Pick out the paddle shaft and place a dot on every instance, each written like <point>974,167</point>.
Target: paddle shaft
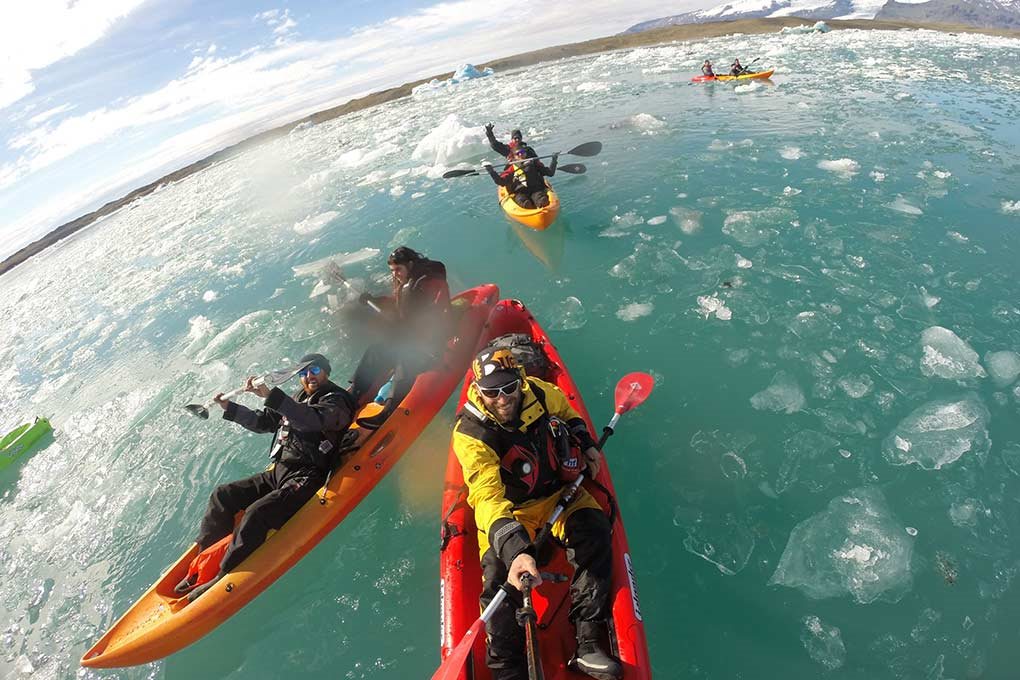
<point>338,274</point>
<point>526,615</point>
<point>227,396</point>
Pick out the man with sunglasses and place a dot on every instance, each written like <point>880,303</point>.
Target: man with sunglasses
<point>308,427</point>
<point>520,443</point>
<point>524,179</point>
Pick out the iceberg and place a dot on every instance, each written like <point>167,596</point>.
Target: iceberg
<point>450,143</point>
<point>855,546</point>
<point>823,643</point>
<point>782,395</point>
<point>818,27</point>
<point>463,73</point>
<point>1004,367</point>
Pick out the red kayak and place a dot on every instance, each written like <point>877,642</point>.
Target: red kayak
<point>461,574</point>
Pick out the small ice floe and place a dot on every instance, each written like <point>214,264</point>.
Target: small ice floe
<point>722,540</point>
<point>901,205</point>
<point>877,176</point>
<point>946,356</point>
<point>688,220</point>
<point>855,546</point>
<point>658,219</point>
<point>709,305</point>
<point>1003,367</point>
<point>314,223</point>
<point>823,643</point>
<point>939,433</point>
<point>1011,207</point>
<point>748,87</point>
<point>569,315</point>
<point>594,86</point>
<point>646,122</point>
<point>634,310</point>
<point>743,262</point>
<point>782,395</point>
<point>340,259</point>
<point>846,167</point>
<point>790,153</point>
<point>957,236</point>
<point>790,191</point>
<point>209,296</point>
<point>900,96</point>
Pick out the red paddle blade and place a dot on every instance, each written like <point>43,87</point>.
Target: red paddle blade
<point>454,665</point>
<point>632,390</point>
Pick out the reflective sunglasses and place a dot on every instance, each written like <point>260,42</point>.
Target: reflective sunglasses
<point>507,390</point>
<point>314,370</point>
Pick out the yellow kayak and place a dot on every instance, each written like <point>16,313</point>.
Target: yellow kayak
<point>744,76</point>
<point>535,218</point>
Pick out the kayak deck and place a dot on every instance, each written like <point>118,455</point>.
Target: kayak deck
<point>161,622</point>
<point>534,218</point>
<point>460,570</point>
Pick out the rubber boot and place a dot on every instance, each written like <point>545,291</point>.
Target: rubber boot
<point>187,583</point>
<point>591,659</point>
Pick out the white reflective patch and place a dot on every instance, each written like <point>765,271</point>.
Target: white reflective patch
<point>488,368</point>
<point>633,586</point>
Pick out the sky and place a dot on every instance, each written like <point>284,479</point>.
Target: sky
<point>98,97</point>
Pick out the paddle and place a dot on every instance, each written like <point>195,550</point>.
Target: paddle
<point>631,391</point>
<point>526,615</point>
<point>587,150</point>
<point>271,379</point>
<point>336,274</point>
<point>569,168</point>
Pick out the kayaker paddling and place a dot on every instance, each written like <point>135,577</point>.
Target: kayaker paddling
<point>417,312</point>
<point>525,181</point>
<point>736,69</point>
<point>706,69</point>
<point>507,150</point>
<point>308,427</point>
<point>519,443</point>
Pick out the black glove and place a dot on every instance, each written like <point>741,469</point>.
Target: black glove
<point>488,128</point>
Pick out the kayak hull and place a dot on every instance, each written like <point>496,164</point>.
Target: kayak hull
<point>725,78</point>
<point>21,439</point>
<point>537,218</point>
<point>460,571</point>
<point>161,623</point>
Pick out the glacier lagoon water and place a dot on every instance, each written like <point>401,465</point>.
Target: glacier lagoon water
<point>816,269</point>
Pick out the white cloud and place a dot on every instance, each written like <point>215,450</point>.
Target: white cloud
<point>40,118</point>
<point>35,34</point>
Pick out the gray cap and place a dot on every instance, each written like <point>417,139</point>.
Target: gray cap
<point>317,359</point>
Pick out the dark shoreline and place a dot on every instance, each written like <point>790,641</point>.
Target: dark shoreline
<point>615,42</point>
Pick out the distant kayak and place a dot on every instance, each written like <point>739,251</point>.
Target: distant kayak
<point>21,439</point>
<point>745,76</point>
<point>534,218</point>
<point>162,622</point>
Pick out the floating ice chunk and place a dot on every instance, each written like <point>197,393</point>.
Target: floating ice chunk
<point>942,174</point>
<point>818,27</point>
<point>752,228</point>
<point>854,546</point>
<point>957,236</point>
<point>791,153</point>
<point>688,220</point>
<point>939,433</point>
<point>877,176</point>
<point>712,304</point>
<point>748,87</point>
<point>635,310</point>
<point>790,191</point>
<point>645,122</point>
<point>1003,367</point>
<point>209,295</point>
<point>900,96</point>
<point>594,86</point>
<point>233,335</point>
<point>965,513</point>
<point>947,356</point>
<point>929,300</point>
<point>823,643</point>
<point>782,395</point>
<point>841,166</point>
<point>569,315</point>
<point>743,262</point>
<point>657,220</point>
<point>450,143</point>
<point>314,223</point>
<point>199,330</point>
<point>1011,207</point>
<point>464,72</point>
<point>901,205</point>
<point>339,260</point>
<point>723,541</point>
<point>857,386</point>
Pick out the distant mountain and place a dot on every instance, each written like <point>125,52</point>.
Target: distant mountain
<point>981,13</point>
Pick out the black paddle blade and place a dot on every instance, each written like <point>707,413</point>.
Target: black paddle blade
<point>198,410</point>
<point>572,168</point>
<point>586,149</point>
<point>449,174</point>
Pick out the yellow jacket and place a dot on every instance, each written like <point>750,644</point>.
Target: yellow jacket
<point>496,484</point>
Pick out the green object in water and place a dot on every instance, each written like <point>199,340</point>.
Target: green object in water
<point>21,439</point>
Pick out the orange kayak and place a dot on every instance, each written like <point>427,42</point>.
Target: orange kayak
<point>535,218</point>
<point>161,623</point>
<point>461,574</point>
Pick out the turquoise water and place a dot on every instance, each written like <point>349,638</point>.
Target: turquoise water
<point>825,483</point>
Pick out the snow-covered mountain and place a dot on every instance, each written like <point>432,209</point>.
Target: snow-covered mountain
<point>985,13</point>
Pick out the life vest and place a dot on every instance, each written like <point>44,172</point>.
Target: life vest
<point>310,449</point>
